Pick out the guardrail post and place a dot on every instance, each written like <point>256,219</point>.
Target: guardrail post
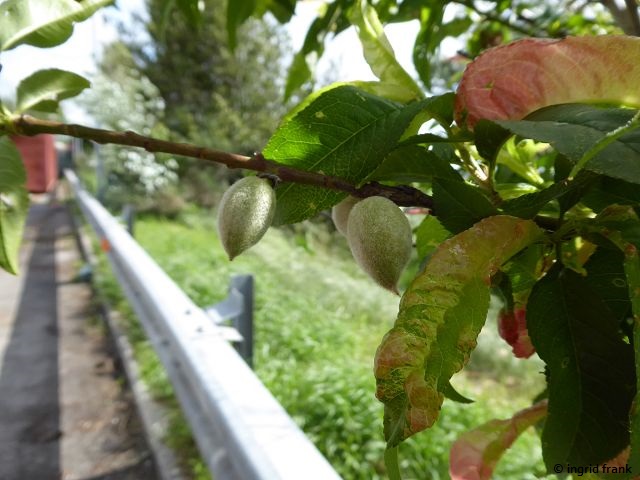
<point>101,174</point>
<point>129,217</point>
<point>243,322</point>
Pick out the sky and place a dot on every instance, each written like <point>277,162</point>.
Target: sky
<point>81,51</point>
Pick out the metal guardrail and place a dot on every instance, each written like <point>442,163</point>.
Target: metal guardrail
<point>241,430</point>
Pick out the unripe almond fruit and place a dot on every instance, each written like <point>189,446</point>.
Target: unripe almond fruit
<point>245,214</point>
<point>340,213</point>
<point>380,239</point>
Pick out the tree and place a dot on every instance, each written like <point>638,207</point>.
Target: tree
<point>230,100</point>
<point>530,172</point>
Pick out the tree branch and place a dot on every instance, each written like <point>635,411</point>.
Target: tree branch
<point>402,195</point>
<point>621,17</point>
<point>497,18</point>
<point>632,7</point>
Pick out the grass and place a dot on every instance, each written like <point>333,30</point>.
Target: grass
<point>318,321</point>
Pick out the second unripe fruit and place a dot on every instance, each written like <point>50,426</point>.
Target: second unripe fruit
<point>379,236</point>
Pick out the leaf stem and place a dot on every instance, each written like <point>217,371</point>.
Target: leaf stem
<point>481,177</point>
<point>605,141</point>
<point>402,195</point>
<point>391,462</point>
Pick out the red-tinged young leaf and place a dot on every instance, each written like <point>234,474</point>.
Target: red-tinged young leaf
<point>512,327</point>
<point>440,317</point>
<point>511,81</point>
<point>475,454</point>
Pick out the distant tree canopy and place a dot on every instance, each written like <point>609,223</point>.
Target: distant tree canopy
<point>212,96</point>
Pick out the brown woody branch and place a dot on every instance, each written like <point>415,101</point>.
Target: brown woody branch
<point>402,195</point>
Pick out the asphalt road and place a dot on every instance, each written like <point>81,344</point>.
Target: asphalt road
<point>64,413</point>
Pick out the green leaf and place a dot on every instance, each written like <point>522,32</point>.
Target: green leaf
<point>413,163</point>
<point>573,129</point>
<point>605,275</point>
<point>394,92</point>
<point>299,73</point>
<point>591,379</point>
<point>489,138</point>
<point>343,132</point>
<point>438,107</point>
<point>43,90</point>
<point>452,394</point>
<point>441,314</point>
<point>528,206</point>
<point>520,157</point>
<point>621,226</point>
<point>632,272</point>
<point>476,453</point>
<point>459,205</point>
<point>378,51</point>
<point>427,40</point>
<point>283,10</point>
<point>524,269</point>
<point>432,32</point>
<point>237,12</point>
<point>608,191</point>
<point>430,138</point>
<point>14,204</point>
<point>42,23</point>
<point>429,234</point>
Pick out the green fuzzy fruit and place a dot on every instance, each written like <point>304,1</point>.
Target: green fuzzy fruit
<point>340,213</point>
<point>380,238</point>
<point>245,214</point>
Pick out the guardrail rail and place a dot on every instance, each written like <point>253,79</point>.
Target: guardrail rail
<point>241,430</point>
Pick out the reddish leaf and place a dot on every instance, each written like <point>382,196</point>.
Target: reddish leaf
<point>475,454</point>
<point>512,327</point>
<point>511,81</point>
<point>441,315</point>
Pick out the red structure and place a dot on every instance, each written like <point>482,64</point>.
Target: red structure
<point>40,160</point>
